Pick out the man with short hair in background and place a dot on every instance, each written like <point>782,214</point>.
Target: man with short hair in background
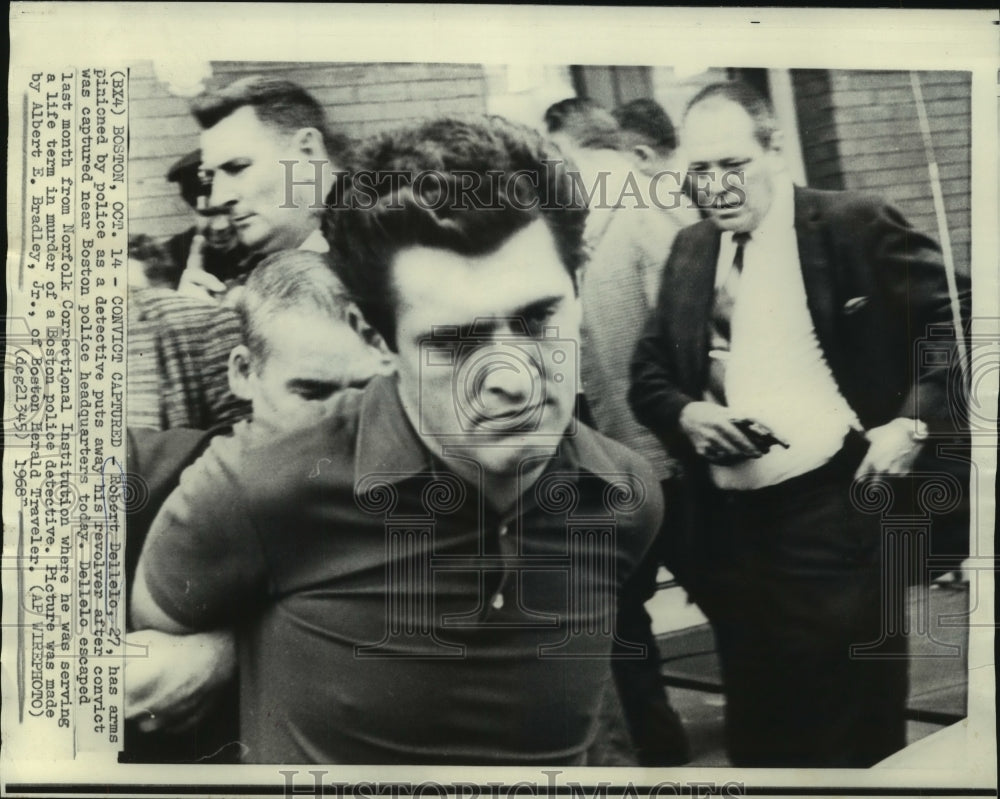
<point>271,159</point>
<point>648,131</point>
<point>648,135</point>
<point>266,151</point>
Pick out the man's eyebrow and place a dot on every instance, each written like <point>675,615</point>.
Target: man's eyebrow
<point>519,319</point>
<point>230,162</point>
<point>483,326</point>
<point>535,306</point>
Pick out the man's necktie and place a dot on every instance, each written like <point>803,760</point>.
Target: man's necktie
<point>720,321</point>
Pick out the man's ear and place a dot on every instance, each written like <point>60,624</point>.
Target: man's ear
<point>777,142</point>
<point>367,333</point>
<point>643,153</point>
<point>240,368</point>
<point>309,142</point>
<point>386,358</point>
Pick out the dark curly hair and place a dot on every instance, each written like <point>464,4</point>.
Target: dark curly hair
<point>462,184</point>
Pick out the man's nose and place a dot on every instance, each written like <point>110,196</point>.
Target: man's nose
<point>712,182</point>
<point>509,376</point>
<point>705,187</point>
<point>223,193</point>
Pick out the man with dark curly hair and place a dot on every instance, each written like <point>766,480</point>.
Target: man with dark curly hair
<point>429,573</point>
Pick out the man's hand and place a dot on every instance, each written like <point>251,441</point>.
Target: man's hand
<point>174,685</point>
<point>195,281</point>
<point>710,429</point>
<point>894,448</point>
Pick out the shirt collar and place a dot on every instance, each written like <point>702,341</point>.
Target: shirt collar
<point>387,444</point>
<point>779,220</point>
<point>315,242</point>
<point>583,451</point>
<point>781,215</point>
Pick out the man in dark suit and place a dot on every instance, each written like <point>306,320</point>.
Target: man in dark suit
<point>796,314</point>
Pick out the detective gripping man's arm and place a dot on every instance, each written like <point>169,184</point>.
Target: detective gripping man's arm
<point>172,681</point>
<point>172,684</point>
<point>185,598</point>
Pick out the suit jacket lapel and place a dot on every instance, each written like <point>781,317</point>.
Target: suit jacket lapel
<point>693,304</point>
<point>818,269</point>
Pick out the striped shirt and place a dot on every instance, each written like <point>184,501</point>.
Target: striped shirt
<point>178,354</point>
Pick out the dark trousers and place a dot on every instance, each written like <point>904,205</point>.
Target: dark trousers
<point>799,585</point>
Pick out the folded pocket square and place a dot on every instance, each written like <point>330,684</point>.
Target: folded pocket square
<point>855,304</point>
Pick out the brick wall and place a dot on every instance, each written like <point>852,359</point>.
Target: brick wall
<point>860,130</point>
<point>359,98</point>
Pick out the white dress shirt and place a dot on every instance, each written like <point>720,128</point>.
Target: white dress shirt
<point>776,372</point>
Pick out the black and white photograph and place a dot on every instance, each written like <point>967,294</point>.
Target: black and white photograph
<point>601,399</point>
